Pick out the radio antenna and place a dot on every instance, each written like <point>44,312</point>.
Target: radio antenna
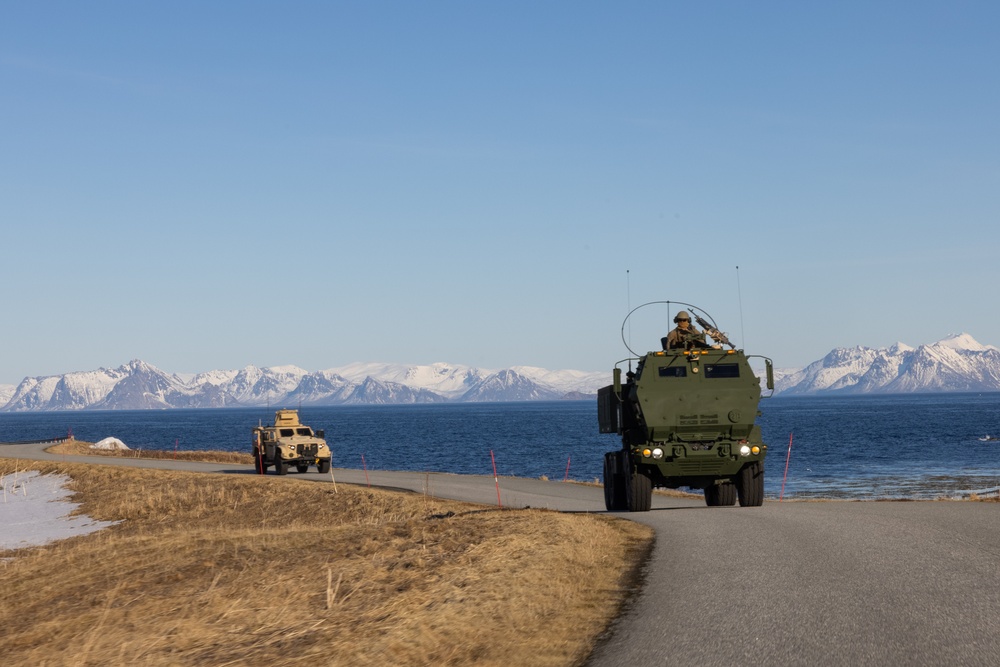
<point>628,299</point>
<point>739,291</point>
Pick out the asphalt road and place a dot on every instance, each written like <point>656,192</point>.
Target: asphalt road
<point>793,583</point>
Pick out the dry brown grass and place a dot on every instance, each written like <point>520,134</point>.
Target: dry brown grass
<point>82,448</point>
<point>218,569</point>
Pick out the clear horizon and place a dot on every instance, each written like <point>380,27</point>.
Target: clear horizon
<point>215,186</point>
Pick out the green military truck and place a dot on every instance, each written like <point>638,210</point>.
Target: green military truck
<point>686,419</point>
<point>288,442</point>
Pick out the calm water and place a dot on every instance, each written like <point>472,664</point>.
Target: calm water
<point>860,447</point>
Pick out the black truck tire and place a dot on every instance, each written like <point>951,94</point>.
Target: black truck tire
<point>614,485</point>
<point>750,485</point>
<point>638,491</point>
<point>721,495</point>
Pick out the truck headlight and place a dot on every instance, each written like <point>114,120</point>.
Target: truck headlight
<point>657,453</point>
<point>745,450</point>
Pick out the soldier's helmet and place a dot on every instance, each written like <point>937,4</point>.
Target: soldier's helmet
<point>682,315</point>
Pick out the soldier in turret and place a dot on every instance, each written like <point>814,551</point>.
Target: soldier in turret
<point>684,335</point>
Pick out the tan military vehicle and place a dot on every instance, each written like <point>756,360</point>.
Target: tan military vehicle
<point>289,442</point>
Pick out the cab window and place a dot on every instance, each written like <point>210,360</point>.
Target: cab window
<point>287,432</point>
<point>722,370</point>
<point>673,371</point>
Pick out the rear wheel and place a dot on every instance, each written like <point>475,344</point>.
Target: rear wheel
<point>258,463</point>
<point>280,467</point>
<point>750,485</point>
<point>638,491</point>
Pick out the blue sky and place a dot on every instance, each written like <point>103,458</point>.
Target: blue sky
<point>211,185</point>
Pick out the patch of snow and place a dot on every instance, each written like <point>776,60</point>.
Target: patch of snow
<point>566,380</point>
<point>109,443</point>
<point>6,393</point>
<point>216,378</point>
<point>962,341</point>
<point>34,510</point>
<point>293,371</point>
<point>449,380</point>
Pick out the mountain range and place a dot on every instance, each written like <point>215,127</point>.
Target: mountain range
<point>138,385</point>
<point>956,363</point>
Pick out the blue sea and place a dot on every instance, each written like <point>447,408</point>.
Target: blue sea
<point>904,446</point>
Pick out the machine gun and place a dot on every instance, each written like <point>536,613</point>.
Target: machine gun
<point>716,335</point>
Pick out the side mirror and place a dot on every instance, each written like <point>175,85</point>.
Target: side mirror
<point>321,433</point>
<point>618,381</point>
<point>770,374</point>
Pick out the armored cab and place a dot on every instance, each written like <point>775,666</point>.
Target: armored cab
<point>686,419</point>
<point>289,442</point>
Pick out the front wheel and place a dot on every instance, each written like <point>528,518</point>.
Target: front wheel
<point>614,484</point>
<point>638,491</point>
<point>750,485</point>
<point>721,495</point>
<point>323,466</point>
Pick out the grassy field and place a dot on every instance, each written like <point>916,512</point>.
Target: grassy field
<point>82,448</point>
<point>226,570</point>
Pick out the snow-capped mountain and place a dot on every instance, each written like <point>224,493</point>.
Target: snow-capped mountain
<point>321,388</point>
<point>134,385</point>
<point>141,387</point>
<point>509,385</point>
<point>138,385</point>
<point>448,380</point>
<point>262,386</point>
<point>956,363</point>
<point>383,392</point>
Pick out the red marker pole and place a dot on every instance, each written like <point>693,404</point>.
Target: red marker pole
<point>566,476</point>
<point>366,470</point>
<point>788,456</point>
<point>496,480</point>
